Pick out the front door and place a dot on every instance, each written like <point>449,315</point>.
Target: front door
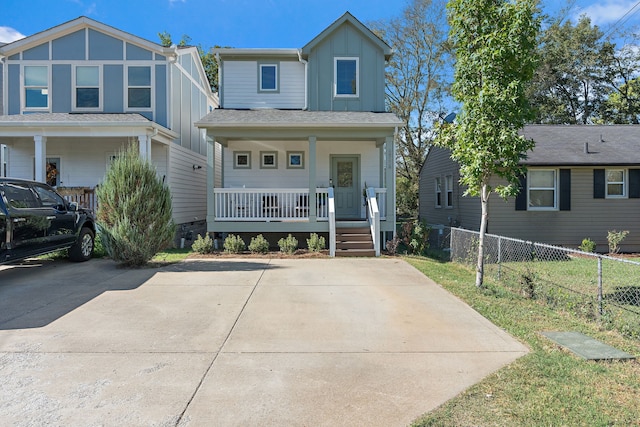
<point>345,175</point>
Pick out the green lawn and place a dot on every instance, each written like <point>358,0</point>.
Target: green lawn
<point>549,386</point>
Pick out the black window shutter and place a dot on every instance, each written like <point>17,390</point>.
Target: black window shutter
<point>598,183</point>
<point>634,183</point>
<point>565,189</point>
<point>521,198</point>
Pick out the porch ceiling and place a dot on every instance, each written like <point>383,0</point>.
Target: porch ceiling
<point>83,125</point>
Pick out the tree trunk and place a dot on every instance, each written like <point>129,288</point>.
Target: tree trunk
<point>484,198</point>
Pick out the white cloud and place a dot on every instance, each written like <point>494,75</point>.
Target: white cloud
<point>609,11</point>
<point>172,2</point>
<point>8,35</point>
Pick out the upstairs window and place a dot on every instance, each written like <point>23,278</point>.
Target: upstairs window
<point>139,87</point>
<point>346,78</point>
<point>616,187</point>
<point>542,189</point>
<point>87,92</point>
<point>268,77</point>
<point>438,193</point>
<point>448,183</point>
<point>36,87</point>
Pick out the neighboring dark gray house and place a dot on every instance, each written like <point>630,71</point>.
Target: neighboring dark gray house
<point>582,181</point>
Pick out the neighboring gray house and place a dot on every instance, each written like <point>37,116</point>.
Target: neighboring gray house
<point>299,134</point>
<point>72,96</point>
<point>582,181</point>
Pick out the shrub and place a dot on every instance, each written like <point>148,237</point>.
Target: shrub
<point>259,244</point>
<point>587,245</point>
<point>614,238</point>
<point>288,245</point>
<point>134,210</point>
<point>203,245</point>
<point>234,244</point>
<point>392,246</point>
<point>415,236</point>
<point>316,243</point>
<point>98,247</point>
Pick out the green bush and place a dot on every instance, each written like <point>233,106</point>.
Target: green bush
<point>316,243</point>
<point>415,236</point>
<point>288,245</point>
<point>615,238</point>
<point>98,247</point>
<point>234,244</point>
<point>203,245</point>
<point>134,210</point>
<point>587,245</point>
<point>259,245</point>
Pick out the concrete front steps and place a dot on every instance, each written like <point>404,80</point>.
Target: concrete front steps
<point>353,239</point>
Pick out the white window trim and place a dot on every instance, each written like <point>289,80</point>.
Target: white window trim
<point>260,67</point>
<point>555,190</point>
<point>74,86</point>
<point>23,87</point>
<point>448,190</point>
<point>438,184</point>
<point>335,76</point>
<point>625,180</point>
<point>127,87</point>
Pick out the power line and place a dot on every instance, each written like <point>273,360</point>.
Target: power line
<point>627,15</point>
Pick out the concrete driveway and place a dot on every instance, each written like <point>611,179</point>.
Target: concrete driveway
<point>236,342</point>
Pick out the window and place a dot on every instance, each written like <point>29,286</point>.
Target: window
<point>448,185</point>
<point>242,160</point>
<point>295,160</point>
<point>20,196</point>
<point>438,193</point>
<point>53,171</point>
<point>49,198</point>
<point>268,77</point>
<point>268,160</point>
<point>4,160</point>
<point>542,189</point>
<point>139,87</point>
<point>87,83</point>
<point>346,77</point>
<point>36,87</point>
<point>616,187</point>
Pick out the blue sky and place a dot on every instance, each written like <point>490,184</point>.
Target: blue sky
<point>244,23</point>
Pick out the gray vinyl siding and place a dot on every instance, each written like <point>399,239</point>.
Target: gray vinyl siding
<point>346,41</point>
<point>61,88</point>
<point>70,47</point>
<point>104,47</point>
<point>1,88</point>
<point>13,92</point>
<point>161,95</point>
<point>185,118</point>
<point>113,78</point>
<point>188,186</point>
<point>38,53</point>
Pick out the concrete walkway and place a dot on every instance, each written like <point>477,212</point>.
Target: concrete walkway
<point>236,342</point>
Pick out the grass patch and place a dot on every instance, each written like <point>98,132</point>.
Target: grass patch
<point>549,386</point>
<point>171,256</point>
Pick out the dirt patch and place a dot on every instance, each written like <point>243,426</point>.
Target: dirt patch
<point>300,253</point>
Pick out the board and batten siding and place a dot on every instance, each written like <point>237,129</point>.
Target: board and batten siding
<point>240,80</point>
<point>188,185</point>
<point>1,88</point>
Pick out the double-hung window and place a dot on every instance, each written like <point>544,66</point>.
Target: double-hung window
<point>616,186</point>
<point>438,193</point>
<point>268,77</point>
<point>139,87</point>
<point>448,184</point>
<point>346,77</point>
<point>542,191</point>
<point>36,87</point>
<point>87,87</point>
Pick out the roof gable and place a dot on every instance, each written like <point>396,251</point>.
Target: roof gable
<point>345,19</point>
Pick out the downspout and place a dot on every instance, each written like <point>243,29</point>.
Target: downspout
<point>306,79</point>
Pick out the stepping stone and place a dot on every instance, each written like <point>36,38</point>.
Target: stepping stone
<point>587,347</point>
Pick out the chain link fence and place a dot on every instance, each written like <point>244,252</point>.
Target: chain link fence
<point>598,287</point>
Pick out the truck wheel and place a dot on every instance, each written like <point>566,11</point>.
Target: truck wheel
<point>82,250</point>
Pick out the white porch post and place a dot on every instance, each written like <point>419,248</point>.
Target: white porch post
<point>211,181</point>
<point>312,179</point>
<point>390,180</point>
<point>40,143</point>
<point>144,142</point>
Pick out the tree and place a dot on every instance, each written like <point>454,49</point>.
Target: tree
<point>206,56</point>
<point>416,82</point>
<point>134,210</point>
<point>495,45</point>
<point>623,106</point>
<point>575,74</point>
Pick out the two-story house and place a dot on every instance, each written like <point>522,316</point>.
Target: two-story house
<point>74,95</point>
<point>301,142</point>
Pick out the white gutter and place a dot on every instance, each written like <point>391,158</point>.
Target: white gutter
<point>306,79</point>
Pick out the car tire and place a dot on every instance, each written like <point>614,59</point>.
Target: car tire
<point>82,250</point>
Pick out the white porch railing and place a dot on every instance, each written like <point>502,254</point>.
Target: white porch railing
<point>260,204</point>
<point>332,223</point>
<point>381,197</point>
<point>373,216</point>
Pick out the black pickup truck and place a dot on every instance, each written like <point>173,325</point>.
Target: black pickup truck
<point>35,220</point>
